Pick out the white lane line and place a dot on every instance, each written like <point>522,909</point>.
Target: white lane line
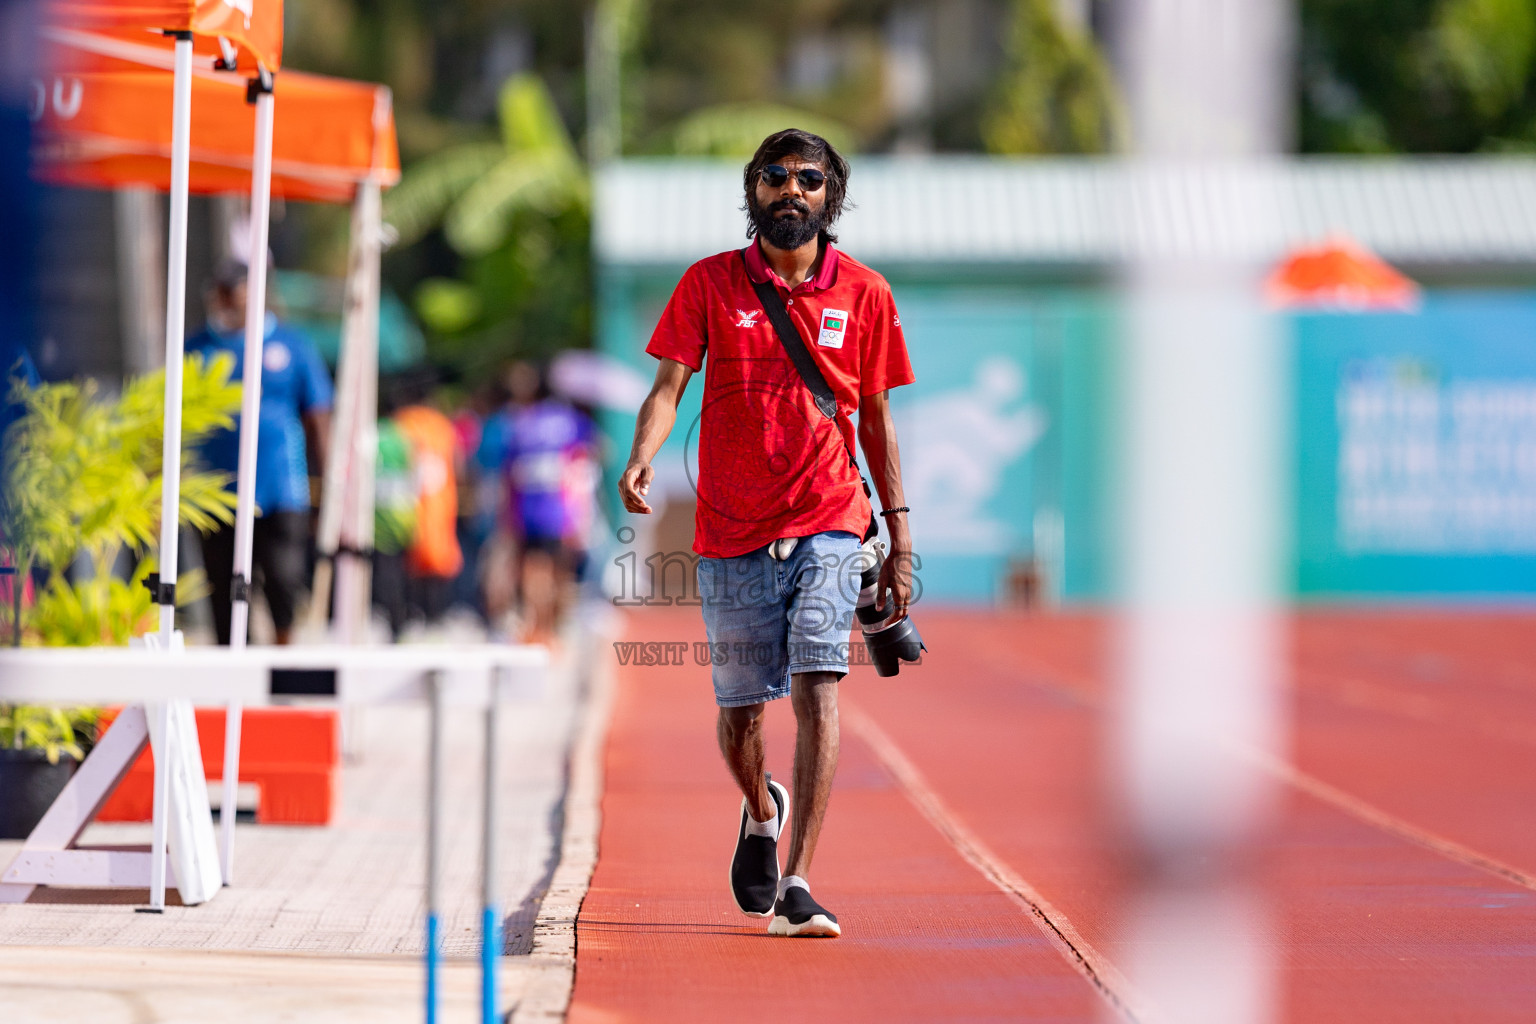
<point>1088,962</point>
<point>1390,823</point>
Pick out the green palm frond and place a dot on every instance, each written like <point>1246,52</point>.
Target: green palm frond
<point>83,477</point>
<point>431,186</point>
<point>476,190</point>
<point>207,499</point>
<point>544,181</point>
<point>530,122</point>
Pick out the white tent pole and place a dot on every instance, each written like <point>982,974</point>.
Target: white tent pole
<point>175,334</point>
<point>368,403</point>
<point>356,527</point>
<point>170,452</point>
<point>250,424</point>
<point>338,457</point>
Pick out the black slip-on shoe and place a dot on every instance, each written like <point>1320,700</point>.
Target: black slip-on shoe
<point>797,915</point>
<point>755,864</point>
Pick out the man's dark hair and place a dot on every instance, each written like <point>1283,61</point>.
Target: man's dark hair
<point>808,147</point>
<point>229,275</point>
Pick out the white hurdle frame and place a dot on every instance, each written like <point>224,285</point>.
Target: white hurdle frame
<point>476,676</point>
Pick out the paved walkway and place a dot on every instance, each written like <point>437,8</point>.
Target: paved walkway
<point>59,985</point>
<point>324,923</point>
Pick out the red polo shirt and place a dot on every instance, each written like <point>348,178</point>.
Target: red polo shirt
<point>763,460</point>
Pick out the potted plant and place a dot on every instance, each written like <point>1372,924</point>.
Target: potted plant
<point>39,749</point>
<point>81,491</point>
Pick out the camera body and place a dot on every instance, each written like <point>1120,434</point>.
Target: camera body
<point>889,642</point>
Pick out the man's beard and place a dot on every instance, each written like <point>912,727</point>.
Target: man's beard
<point>786,232</point>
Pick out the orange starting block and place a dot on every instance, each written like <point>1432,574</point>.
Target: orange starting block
<point>292,755</point>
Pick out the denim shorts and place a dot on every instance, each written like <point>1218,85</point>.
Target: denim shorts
<point>768,620</point>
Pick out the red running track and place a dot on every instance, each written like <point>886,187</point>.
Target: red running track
<point>1400,884</point>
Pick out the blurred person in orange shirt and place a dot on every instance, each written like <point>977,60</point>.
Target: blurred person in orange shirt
<point>434,558</point>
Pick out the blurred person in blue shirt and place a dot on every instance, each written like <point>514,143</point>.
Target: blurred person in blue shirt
<point>296,399</point>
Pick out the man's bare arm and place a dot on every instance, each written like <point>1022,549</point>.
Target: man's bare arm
<point>877,437</point>
<point>658,413</point>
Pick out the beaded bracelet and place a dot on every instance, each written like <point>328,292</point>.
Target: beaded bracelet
<point>893,511</point>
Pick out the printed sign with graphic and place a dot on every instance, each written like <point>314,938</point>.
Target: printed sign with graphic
<point>1416,435</point>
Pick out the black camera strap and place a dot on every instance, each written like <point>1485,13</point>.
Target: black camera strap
<point>810,373</point>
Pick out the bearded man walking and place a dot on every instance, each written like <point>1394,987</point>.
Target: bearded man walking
<point>782,512</point>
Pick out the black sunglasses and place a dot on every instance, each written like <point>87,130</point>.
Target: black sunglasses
<point>775,175</point>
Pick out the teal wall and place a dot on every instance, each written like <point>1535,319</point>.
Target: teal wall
<point>1414,459</point>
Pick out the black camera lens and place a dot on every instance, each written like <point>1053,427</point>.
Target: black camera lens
<point>888,643</point>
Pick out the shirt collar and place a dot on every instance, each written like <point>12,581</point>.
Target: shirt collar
<point>758,269</point>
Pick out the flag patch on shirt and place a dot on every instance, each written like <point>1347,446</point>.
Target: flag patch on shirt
<point>834,322</point>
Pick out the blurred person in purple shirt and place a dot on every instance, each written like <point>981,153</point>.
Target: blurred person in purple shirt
<point>542,446</point>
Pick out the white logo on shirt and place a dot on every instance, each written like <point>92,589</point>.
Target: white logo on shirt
<point>276,357</point>
<point>747,317</point>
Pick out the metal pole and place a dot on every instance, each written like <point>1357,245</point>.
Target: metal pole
<point>346,508</point>
<point>358,600</point>
<point>490,923</point>
<point>250,428</point>
<point>338,463</point>
<point>175,328</point>
<point>434,842</point>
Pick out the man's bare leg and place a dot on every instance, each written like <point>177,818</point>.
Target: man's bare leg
<point>741,742</point>
<point>814,696</point>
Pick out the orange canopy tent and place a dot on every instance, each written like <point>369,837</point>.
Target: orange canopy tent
<point>252,27</point>
<point>1339,274</point>
<point>333,135</point>
<point>102,124</point>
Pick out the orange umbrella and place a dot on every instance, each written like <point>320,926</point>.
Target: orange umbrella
<point>1339,274</point>
<point>252,26</point>
<point>110,130</point>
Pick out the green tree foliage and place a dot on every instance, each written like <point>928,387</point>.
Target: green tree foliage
<point>737,129</point>
<point>475,190</point>
<point>517,215</point>
<point>1431,76</point>
<point>697,63</point>
<point>82,478</point>
<point>1056,95</point>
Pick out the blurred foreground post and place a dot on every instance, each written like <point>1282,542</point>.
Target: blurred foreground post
<point>1199,635</point>
<point>345,535</point>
